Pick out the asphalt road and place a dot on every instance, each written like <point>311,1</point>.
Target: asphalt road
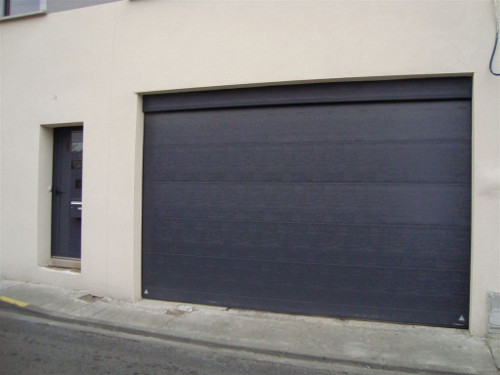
<point>39,345</point>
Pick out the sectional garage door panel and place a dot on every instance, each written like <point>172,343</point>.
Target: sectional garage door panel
<point>312,162</point>
<point>298,145</point>
<point>375,246</point>
<point>351,209</point>
<point>415,120</point>
<point>344,291</point>
<point>362,204</point>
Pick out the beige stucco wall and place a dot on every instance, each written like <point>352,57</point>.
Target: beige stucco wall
<point>88,66</point>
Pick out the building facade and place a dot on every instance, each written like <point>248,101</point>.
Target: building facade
<point>337,158</point>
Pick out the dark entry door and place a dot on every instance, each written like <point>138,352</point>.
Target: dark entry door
<point>344,199</point>
<point>67,193</point>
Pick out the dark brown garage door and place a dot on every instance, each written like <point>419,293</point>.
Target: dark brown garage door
<point>338,199</point>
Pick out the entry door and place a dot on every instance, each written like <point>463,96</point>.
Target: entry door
<point>67,193</point>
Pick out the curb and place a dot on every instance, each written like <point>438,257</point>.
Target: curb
<point>494,346</point>
<point>48,315</point>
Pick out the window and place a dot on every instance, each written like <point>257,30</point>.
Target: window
<point>18,8</point>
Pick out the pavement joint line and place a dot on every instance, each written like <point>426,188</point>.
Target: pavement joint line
<point>497,362</point>
<point>13,301</point>
<point>44,314</point>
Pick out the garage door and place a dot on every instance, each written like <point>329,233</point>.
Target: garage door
<point>338,199</point>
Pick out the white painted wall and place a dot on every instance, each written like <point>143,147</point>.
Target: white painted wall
<point>88,66</point>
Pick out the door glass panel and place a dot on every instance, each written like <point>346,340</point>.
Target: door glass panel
<point>76,144</point>
<point>24,6</point>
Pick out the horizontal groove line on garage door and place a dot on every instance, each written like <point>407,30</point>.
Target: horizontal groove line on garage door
<point>332,142</point>
<point>311,303</point>
<point>433,226</point>
<point>291,182</point>
<point>311,263</point>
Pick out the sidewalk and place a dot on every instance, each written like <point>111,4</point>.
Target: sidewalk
<point>400,348</point>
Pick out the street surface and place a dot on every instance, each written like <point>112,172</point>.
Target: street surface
<point>37,345</point>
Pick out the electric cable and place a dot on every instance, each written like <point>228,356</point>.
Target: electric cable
<point>497,10</point>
